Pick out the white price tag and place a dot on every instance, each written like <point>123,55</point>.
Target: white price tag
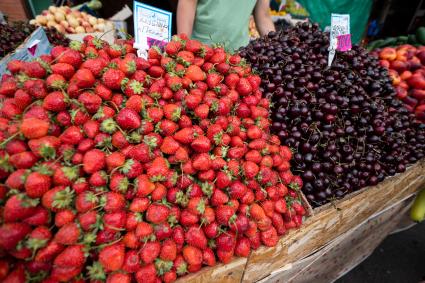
<point>339,35</point>
<point>152,26</point>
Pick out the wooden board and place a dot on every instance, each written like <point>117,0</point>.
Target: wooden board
<point>326,224</point>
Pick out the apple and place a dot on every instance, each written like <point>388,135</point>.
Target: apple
<point>417,81</point>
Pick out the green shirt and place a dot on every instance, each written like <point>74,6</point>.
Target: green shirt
<point>223,21</point>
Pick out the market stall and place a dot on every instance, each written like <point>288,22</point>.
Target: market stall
<point>184,162</point>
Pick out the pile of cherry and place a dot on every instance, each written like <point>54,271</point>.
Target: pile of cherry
<point>120,168</point>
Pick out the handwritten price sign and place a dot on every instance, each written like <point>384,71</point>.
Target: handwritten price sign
<point>152,26</point>
<point>343,42</point>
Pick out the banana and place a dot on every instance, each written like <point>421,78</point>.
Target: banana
<point>417,212</point>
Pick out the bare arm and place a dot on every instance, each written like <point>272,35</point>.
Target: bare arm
<point>262,18</point>
<point>186,10</point>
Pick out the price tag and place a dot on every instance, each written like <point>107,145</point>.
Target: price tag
<point>344,42</point>
<point>340,28</point>
<point>152,26</point>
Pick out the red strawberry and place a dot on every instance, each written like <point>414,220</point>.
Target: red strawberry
<point>68,234</point>
<point>71,57</point>
<point>128,119</point>
<point>243,247</point>
<point>37,184</point>
<point>19,207</point>
<point>269,237</point>
<point>201,144</point>
<point>195,73</point>
<point>112,257</point>
<point>112,79</point>
<point>192,255</point>
<point>169,145</point>
<point>33,128</point>
<point>83,78</point>
<point>55,101</point>
<point>168,250</point>
<point>150,251</point>
<point>34,70</point>
<point>194,236</point>
<point>224,214</point>
<point>147,273</point>
<point>93,160</point>
<point>12,233</point>
<point>157,213</point>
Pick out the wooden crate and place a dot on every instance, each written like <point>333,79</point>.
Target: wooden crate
<point>327,223</point>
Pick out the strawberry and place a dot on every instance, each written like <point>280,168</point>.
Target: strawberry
<point>172,47</point>
<point>112,78</point>
<point>202,162</point>
<point>112,257</point>
<point>243,247</point>
<point>83,78</point>
<point>150,251</point>
<point>37,184</point>
<point>146,274</point>
<point>192,255</point>
<point>269,237</point>
<point>128,119</point>
<point>90,101</point>
<point>71,57</point>
<point>19,207</point>
<point>34,70</point>
<point>33,128</point>
<point>168,250</point>
<point>93,160</point>
<point>158,170</point>
<point>12,233</point>
<point>213,79</point>
<point>224,214</point>
<point>127,66</point>
<point>118,278</point>
<point>195,73</point>
<point>201,144</point>
<point>68,234</point>
<point>194,236</point>
<point>169,145</point>
<point>55,101</point>
<point>157,213</point>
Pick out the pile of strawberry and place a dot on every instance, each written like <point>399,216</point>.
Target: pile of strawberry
<point>118,168</point>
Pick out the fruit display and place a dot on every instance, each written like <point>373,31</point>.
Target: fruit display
<point>406,65</point>
<point>343,123</point>
<point>66,20</point>
<point>13,34</point>
<point>123,169</point>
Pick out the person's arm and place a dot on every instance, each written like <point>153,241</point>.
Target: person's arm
<point>186,10</point>
<point>262,17</point>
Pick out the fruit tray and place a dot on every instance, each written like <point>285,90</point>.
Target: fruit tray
<point>326,224</point>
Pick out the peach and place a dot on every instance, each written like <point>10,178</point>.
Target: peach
<point>388,53</point>
<point>404,85</point>
<point>394,77</point>
<point>384,63</point>
<point>401,55</point>
<point>405,75</point>
<point>417,81</point>
<point>399,66</point>
<point>419,94</point>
